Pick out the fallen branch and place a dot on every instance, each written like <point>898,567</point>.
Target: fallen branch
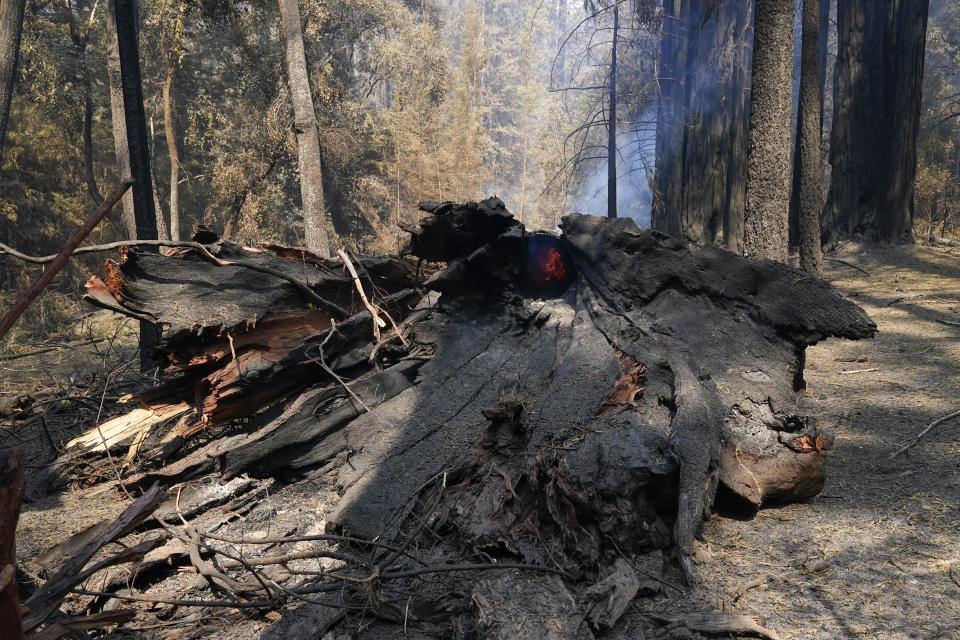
<point>378,322</point>
<point>61,259</point>
<point>848,264</point>
<point>46,600</point>
<point>944,241</point>
<point>95,248</point>
<point>69,626</point>
<point>36,352</point>
<point>930,427</point>
<point>717,624</point>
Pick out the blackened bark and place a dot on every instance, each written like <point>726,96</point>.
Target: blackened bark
<point>876,119</point>
<point>612,121</point>
<point>125,13</point>
<point>808,143</point>
<point>308,138</point>
<point>767,198</point>
<point>823,36</point>
<point>11,25</point>
<point>119,124</point>
<point>702,121</point>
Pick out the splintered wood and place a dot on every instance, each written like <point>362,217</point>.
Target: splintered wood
<point>585,426</point>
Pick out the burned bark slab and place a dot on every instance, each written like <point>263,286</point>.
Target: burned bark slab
<point>565,401</point>
<point>245,327</point>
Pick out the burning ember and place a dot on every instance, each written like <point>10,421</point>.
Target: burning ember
<point>550,264</point>
<point>549,268</point>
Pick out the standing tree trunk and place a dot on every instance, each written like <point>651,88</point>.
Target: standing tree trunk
<point>824,44</point>
<point>768,151</point>
<point>174,152</point>
<point>11,25</point>
<point>118,121</point>
<point>808,142</point>
<point>138,148</point>
<point>701,149</point>
<point>80,41</point>
<point>876,119</point>
<point>612,120</point>
<point>308,138</point>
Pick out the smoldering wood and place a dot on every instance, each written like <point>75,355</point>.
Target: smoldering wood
<point>562,428</point>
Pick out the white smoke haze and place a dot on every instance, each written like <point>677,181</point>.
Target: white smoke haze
<point>635,165</point>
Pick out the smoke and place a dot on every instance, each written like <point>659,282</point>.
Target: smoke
<point>635,164</point>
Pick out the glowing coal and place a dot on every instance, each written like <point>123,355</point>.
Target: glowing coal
<point>549,269</point>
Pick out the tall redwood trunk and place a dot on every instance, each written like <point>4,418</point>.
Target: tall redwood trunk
<point>118,121</point>
<point>11,25</point>
<point>808,142</point>
<point>876,119</point>
<point>703,78</point>
<point>125,12</point>
<point>308,138</point>
<point>767,200</point>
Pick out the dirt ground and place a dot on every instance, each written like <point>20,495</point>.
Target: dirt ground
<point>875,555</point>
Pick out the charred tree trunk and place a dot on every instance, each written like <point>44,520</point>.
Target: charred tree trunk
<point>118,120</point>
<point>876,119</point>
<point>823,36</point>
<point>612,120</point>
<point>807,159</point>
<point>308,138</point>
<point>11,25</point>
<point>767,201</point>
<point>702,121</point>
<point>125,13</point>
<point>578,369</point>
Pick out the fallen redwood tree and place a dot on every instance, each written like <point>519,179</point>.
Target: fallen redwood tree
<point>565,400</point>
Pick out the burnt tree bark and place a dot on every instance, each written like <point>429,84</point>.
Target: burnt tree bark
<point>308,138</point>
<point>767,200</point>
<point>11,25</point>
<point>569,421</point>
<point>702,121</point>
<point>807,157</point>
<point>876,119</point>
<point>125,14</point>
<point>612,119</point>
<point>118,121</point>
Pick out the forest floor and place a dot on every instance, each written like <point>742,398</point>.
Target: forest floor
<point>875,555</point>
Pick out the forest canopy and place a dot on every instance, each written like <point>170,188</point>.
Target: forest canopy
<point>439,100</point>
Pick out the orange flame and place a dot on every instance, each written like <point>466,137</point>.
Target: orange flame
<point>551,265</point>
